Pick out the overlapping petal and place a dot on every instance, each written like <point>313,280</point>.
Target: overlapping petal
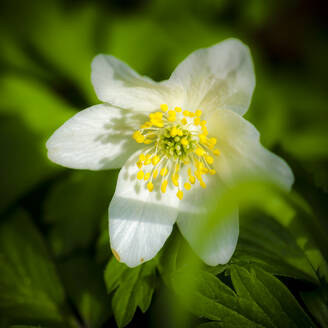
<point>242,153</point>
<point>139,221</point>
<point>99,137</point>
<point>118,84</point>
<point>214,239</point>
<point>221,76</point>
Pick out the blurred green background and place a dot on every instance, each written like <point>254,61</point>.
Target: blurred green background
<point>53,220</point>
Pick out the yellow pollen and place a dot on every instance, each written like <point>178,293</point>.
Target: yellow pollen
<point>209,159</point>
<point>164,171</point>
<point>147,176</point>
<point>142,157</point>
<point>155,174</point>
<point>174,132</point>
<point>202,138</point>
<point>199,151</point>
<point>191,114</point>
<point>180,194</point>
<point>199,113</point>
<point>164,107</point>
<point>147,161</point>
<point>184,142</point>
<point>150,186</point>
<point>196,120</point>
<point>175,179</point>
<point>187,186</point>
<point>184,121</point>
<point>140,175</point>
<point>192,179</point>
<point>203,123</point>
<point>138,137</point>
<point>178,109</point>
<point>139,164</point>
<point>163,186</point>
<point>186,113</point>
<point>155,160</point>
<point>216,152</point>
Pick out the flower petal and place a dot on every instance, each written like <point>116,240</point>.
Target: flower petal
<point>219,242</point>
<point>221,76</point>
<point>99,137</point>
<point>118,84</point>
<point>139,221</point>
<point>242,153</point>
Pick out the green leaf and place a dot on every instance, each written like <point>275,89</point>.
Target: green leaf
<point>30,113</point>
<point>133,288</point>
<point>269,296</point>
<point>83,280</point>
<point>30,290</point>
<point>317,303</point>
<point>266,242</point>
<point>77,204</point>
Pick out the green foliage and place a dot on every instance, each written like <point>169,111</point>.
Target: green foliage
<point>30,289</point>
<point>132,288</point>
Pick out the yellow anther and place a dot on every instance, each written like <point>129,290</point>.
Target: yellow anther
<point>180,133</point>
<point>147,161</point>
<point>155,160</point>
<point>216,152</point>
<point>140,175</point>
<point>171,113</point>
<point>138,137</point>
<point>164,185</point>
<point>213,141</point>
<point>180,194</point>
<point>142,157</point>
<point>174,132</point>
<point>139,164</point>
<point>196,120</point>
<point>204,130</point>
<point>199,113</point>
<point>164,107</point>
<point>202,184</point>
<point>186,112</point>
<point>175,179</point>
<point>202,138</point>
<point>146,125</point>
<point>178,109</point>
<point>163,171</point>
<point>199,151</point>
<point>148,141</point>
<point>204,170</point>
<point>171,118</point>
<point>187,186</point>
<point>203,123</point>
<point>212,171</point>
<point>155,174</point>
<point>209,159</point>
<point>150,186</point>
<point>184,121</point>
<point>192,179</point>
<point>147,176</point>
<point>198,175</point>
<point>184,141</point>
<point>191,114</point>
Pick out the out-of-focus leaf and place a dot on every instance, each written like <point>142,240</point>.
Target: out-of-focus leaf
<point>83,280</point>
<point>270,296</point>
<point>133,288</point>
<point>30,290</point>
<point>317,303</point>
<point>103,247</point>
<point>30,113</point>
<point>264,241</point>
<point>74,209</point>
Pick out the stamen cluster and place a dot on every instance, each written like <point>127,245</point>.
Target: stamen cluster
<point>176,139</point>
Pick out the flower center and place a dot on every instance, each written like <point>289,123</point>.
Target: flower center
<point>177,140</point>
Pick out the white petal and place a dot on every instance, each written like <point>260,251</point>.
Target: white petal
<point>221,76</point>
<point>118,84</point>
<point>219,243</point>
<point>99,137</point>
<point>242,153</point>
<point>139,221</point>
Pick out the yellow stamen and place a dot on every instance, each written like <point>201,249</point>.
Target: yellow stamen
<point>184,121</point>
<point>192,179</point>
<point>139,164</point>
<point>178,109</point>
<point>186,112</point>
<point>199,113</point>
<point>155,160</point>
<point>216,152</point>
<point>175,179</point>
<point>184,142</point>
<point>212,171</point>
<point>155,174</point>
<point>150,186</point>
<point>209,159</point>
<point>164,171</point>
<point>199,151</point>
<point>187,186</point>
<point>147,176</point>
<point>196,120</point>
<point>180,194</point>
<point>142,157</point>
<point>164,107</point>
<point>163,186</point>
<point>140,175</point>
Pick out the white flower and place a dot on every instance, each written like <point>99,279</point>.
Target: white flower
<point>179,142</point>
